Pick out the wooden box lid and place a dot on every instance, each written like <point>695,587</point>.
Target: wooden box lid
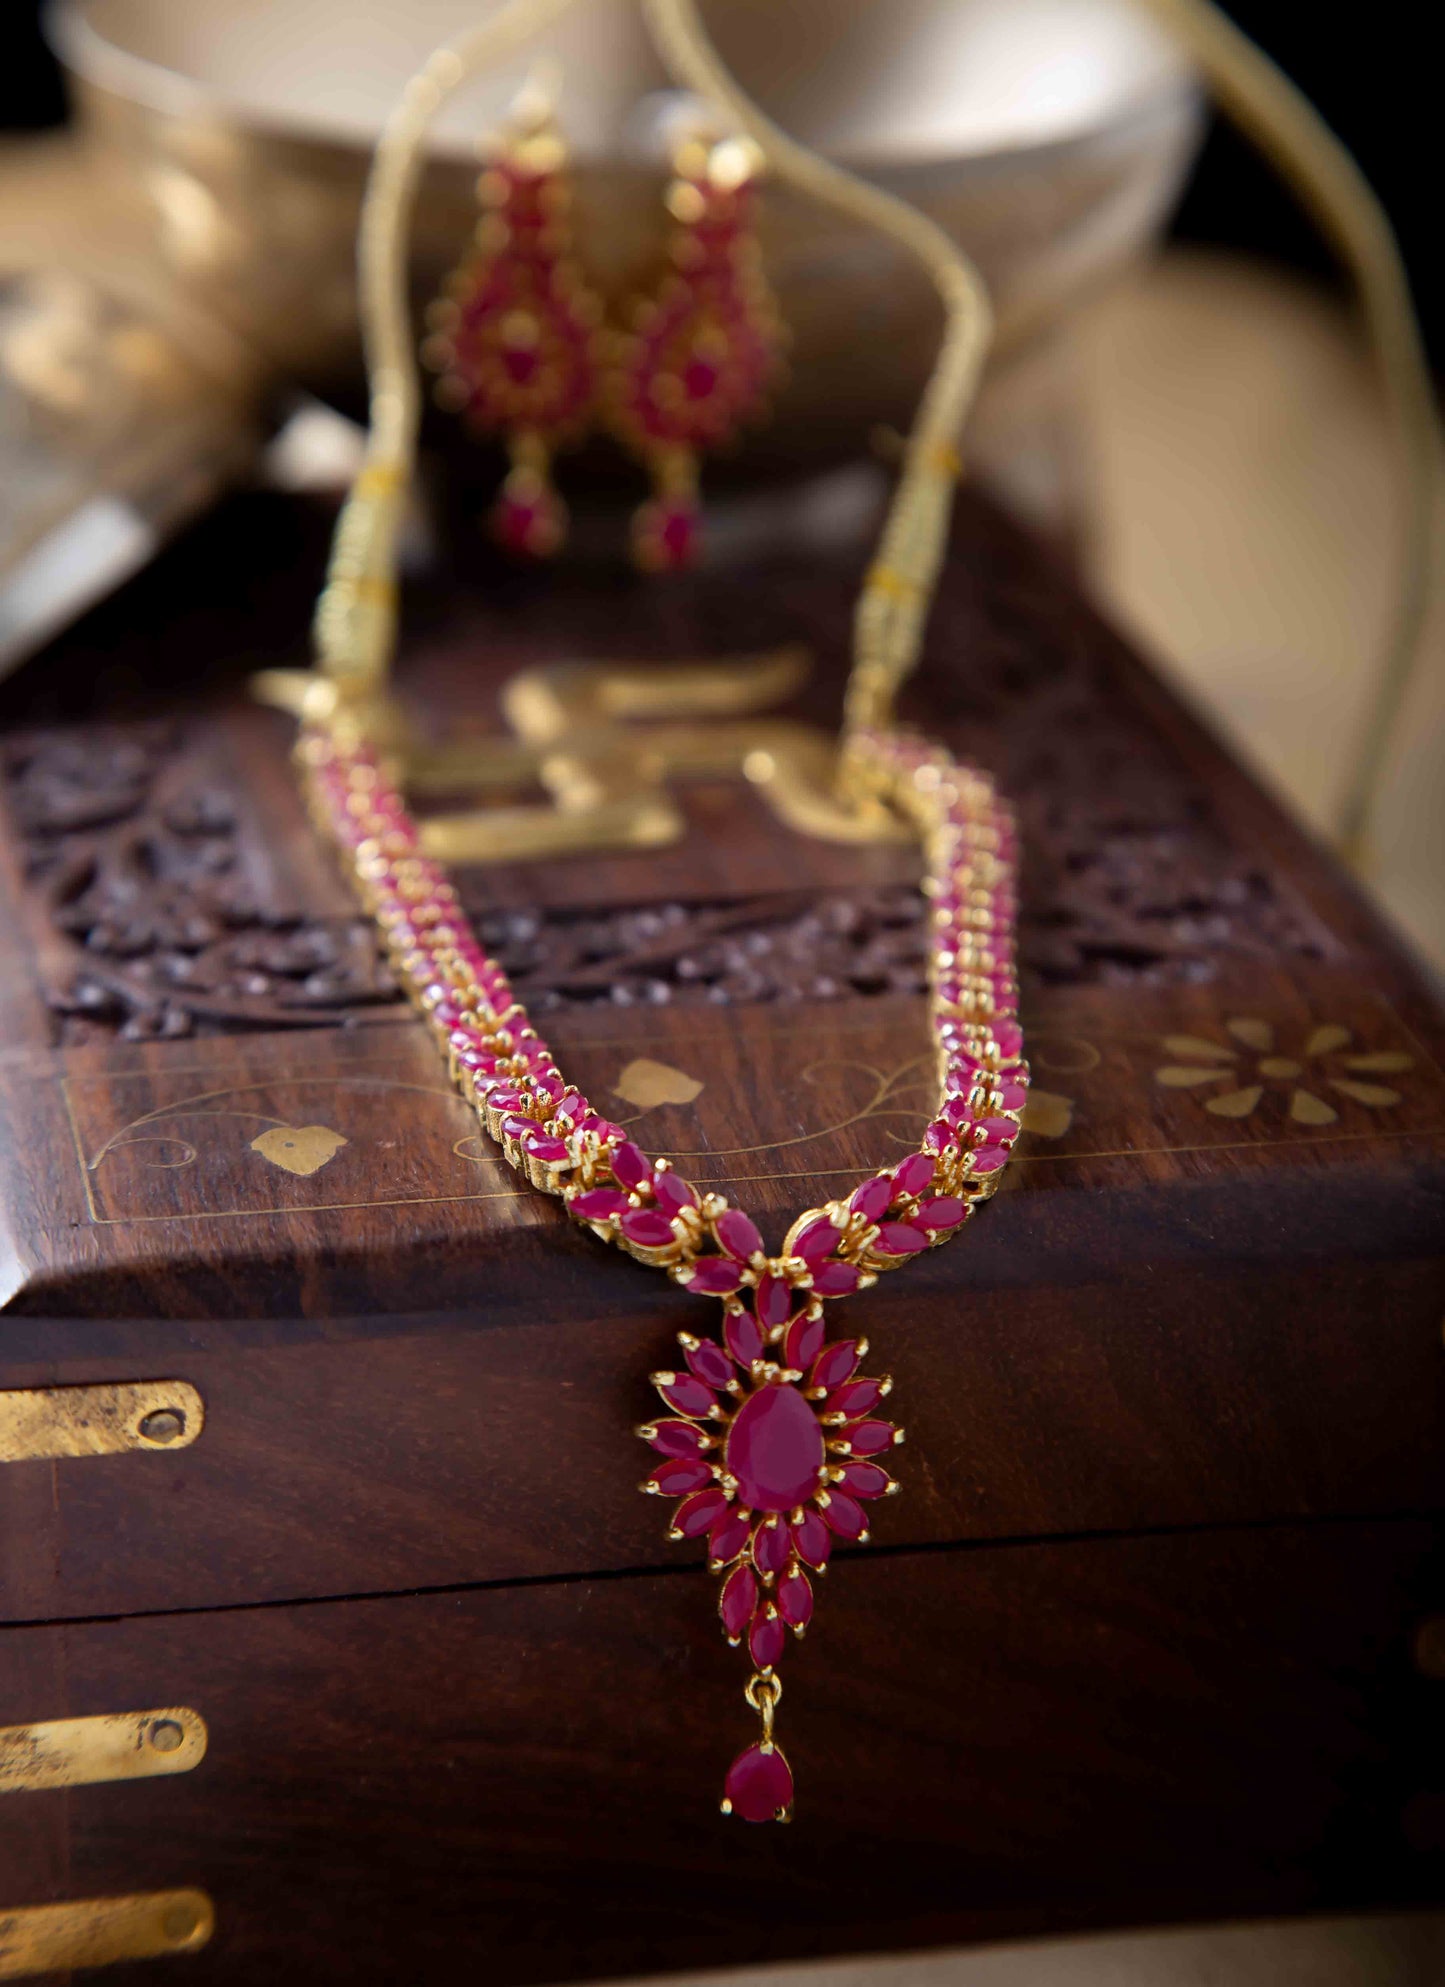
<point>1210,1291</point>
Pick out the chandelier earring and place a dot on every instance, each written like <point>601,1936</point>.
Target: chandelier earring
<point>702,351</point>
<point>515,335</point>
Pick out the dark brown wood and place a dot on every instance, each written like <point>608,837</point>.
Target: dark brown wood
<point>1130,1648</point>
<point>523,1780</point>
<point>373,1456</point>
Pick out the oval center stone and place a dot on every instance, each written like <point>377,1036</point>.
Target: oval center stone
<point>775,1449</point>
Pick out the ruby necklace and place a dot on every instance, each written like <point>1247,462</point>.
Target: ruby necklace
<point>771,1441</point>
<point>772,1436</point>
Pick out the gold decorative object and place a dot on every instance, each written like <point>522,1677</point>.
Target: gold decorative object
<point>99,1931</point>
<point>80,1752</point>
<point>40,1422</point>
<point>603,740</point>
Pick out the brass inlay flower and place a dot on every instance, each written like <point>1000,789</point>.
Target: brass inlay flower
<point>1321,1058</point>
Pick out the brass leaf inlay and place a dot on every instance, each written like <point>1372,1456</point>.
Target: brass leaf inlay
<point>1307,1109</point>
<point>1174,1076</point>
<point>1236,1103</point>
<point>1328,1037</point>
<point>647,1084</point>
<point>299,1149</point>
<point>1194,1048</point>
<point>1375,1096</point>
<point>1257,1035</point>
<point>1047,1115</point>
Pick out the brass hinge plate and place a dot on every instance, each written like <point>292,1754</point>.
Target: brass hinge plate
<point>98,1931</point>
<point>77,1752</point>
<point>41,1422</point>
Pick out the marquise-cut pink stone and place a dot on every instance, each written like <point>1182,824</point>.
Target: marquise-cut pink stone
<point>676,1438</point>
<point>795,1599</point>
<point>865,1479</point>
<point>775,1449</point>
<point>804,1341</point>
<point>759,1785</point>
<point>812,1541</point>
<point>1000,1131</point>
<point>738,1234</point>
<point>774,1301</point>
<point>868,1438</point>
<point>673,1194</point>
<point>687,1395</point>
<point>836,1279</point>
<point>630,1165</point>
<point>648,1227</point>
<point>835,1364</point>
<point>742,1337</point>
<point>874,1198</point>
<point>939,1215</point>
<point>710,1363</point>
<point>598,1203</point>
<point>737,1601</point>
<point>816,1241</point>
<point>677,1478</point>
<point>843,1514</point>
<point>1010,1038</point>
<point>896,1238</point>
<point>770,1548</point>
<point>990,1158</point>
<point>728,1537</point>
<point>698,1514</point>
<point>855,1397</point>
<point>714,1276</point>
<point>915,1175</point>
<point>767,1641</point>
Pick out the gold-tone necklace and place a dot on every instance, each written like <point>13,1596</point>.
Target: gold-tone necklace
<point>773,1439</point>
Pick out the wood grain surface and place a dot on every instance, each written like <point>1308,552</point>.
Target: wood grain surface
<point>524,1780</point>
<point>1135,1640</point>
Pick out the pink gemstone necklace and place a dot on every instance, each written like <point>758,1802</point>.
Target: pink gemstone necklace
<point>772,1439</point>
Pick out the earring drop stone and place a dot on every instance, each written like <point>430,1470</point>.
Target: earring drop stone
<point>529,518</point>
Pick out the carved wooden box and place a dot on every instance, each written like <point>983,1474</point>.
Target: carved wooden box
<point>347,1538</point>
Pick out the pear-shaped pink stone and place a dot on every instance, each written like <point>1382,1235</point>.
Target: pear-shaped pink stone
<point>759,1784</point>
<point>775,1449</point>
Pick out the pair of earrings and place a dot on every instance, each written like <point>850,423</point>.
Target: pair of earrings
<point>524,350</point>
